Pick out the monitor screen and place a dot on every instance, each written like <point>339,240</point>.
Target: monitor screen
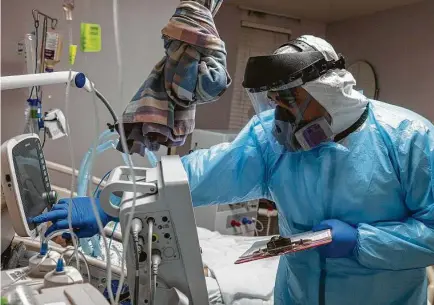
<point>32,180</point>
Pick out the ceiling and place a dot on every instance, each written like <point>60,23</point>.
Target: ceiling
<point>322,10</point>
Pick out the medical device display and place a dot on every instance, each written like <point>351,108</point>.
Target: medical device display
<point>163,257</point>
<point>278,245</point>
<point>25,181</point>
<point>232,219</point>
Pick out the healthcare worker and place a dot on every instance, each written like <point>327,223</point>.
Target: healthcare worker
<point>329,158</point>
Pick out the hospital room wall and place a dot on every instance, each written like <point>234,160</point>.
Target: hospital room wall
<point>228,22</point>
<point>142,47</point>
<point>399,43</point>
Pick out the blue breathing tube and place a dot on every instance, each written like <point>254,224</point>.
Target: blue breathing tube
<point>105,142</point>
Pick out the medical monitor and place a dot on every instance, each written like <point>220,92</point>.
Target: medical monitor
<point>25,182</point>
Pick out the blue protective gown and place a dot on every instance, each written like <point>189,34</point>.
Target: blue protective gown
<point>380,178</point>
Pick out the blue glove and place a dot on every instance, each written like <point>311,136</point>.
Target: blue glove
<point>83,219</point>
<point>344,239</point>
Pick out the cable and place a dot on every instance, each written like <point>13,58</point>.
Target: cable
<point>256,221</point>
<point>150,232</point>
<point>136,227</point>
<point>70,146</point>
<point>136,277</point>
<point>58,233</point>
<point>84,259</point>
<point>113,232</point>
<point>156,261</point>
<point>268,226</point>
<point>45,137</point>
<point>99,184</point>
<point>123,143</point>
<point>94,207</point>
<point>107,104</point>
<point>154,288</point>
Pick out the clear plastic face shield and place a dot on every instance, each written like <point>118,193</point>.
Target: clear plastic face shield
<point>292,119</point>
<point>287,116</point>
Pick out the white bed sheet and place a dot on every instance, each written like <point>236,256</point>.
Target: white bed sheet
<point>245,284</point>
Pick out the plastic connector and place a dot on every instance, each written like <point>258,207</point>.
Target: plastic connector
<point>60,267</point>
<point>156,261</point>
<point>136,227</point>
<point>235,223</point>
<point>246,221</point>
<point>44,249</point>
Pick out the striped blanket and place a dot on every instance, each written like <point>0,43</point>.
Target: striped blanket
<point>193,71</point>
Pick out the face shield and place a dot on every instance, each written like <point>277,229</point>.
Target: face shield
<point>280,102</point>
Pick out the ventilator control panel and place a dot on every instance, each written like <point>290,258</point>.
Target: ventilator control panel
<point>163,237</point>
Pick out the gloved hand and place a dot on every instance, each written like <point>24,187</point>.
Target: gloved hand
<point>344,239</point>
<point>83,219</point>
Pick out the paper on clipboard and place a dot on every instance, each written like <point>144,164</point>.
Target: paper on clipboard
<point>278,245</point>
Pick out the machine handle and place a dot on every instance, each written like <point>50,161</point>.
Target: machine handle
<point>115,184</point>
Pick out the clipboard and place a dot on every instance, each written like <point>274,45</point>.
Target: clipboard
<point>279,245</point>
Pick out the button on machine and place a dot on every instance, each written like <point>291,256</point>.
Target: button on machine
<point>235,223</point>
<point>246,221</point>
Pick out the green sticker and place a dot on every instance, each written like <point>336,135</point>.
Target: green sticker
<point>90,37</point>
<point>4,301</point>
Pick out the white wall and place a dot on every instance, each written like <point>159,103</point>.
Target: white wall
<point>399,43</point>
<point>140,24</point>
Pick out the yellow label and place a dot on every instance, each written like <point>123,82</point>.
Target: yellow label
<point>72,53</point>
<point>90,37</point>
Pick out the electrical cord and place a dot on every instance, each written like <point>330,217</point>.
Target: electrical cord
<point>136,276</point>
<point>89,275</point>
<point>94,207</point>
<point>150,232</point>
<point>136,227</point>
<point>156,260</point>
<point>256,221</point>
<point>45,137</point>
<point>123,141</point>
<point>268,226</point>
<point>113,233</point>
<point>99,184</point>
<point>107,105</point>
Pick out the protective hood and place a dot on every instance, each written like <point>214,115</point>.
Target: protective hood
<point>335,89</point>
